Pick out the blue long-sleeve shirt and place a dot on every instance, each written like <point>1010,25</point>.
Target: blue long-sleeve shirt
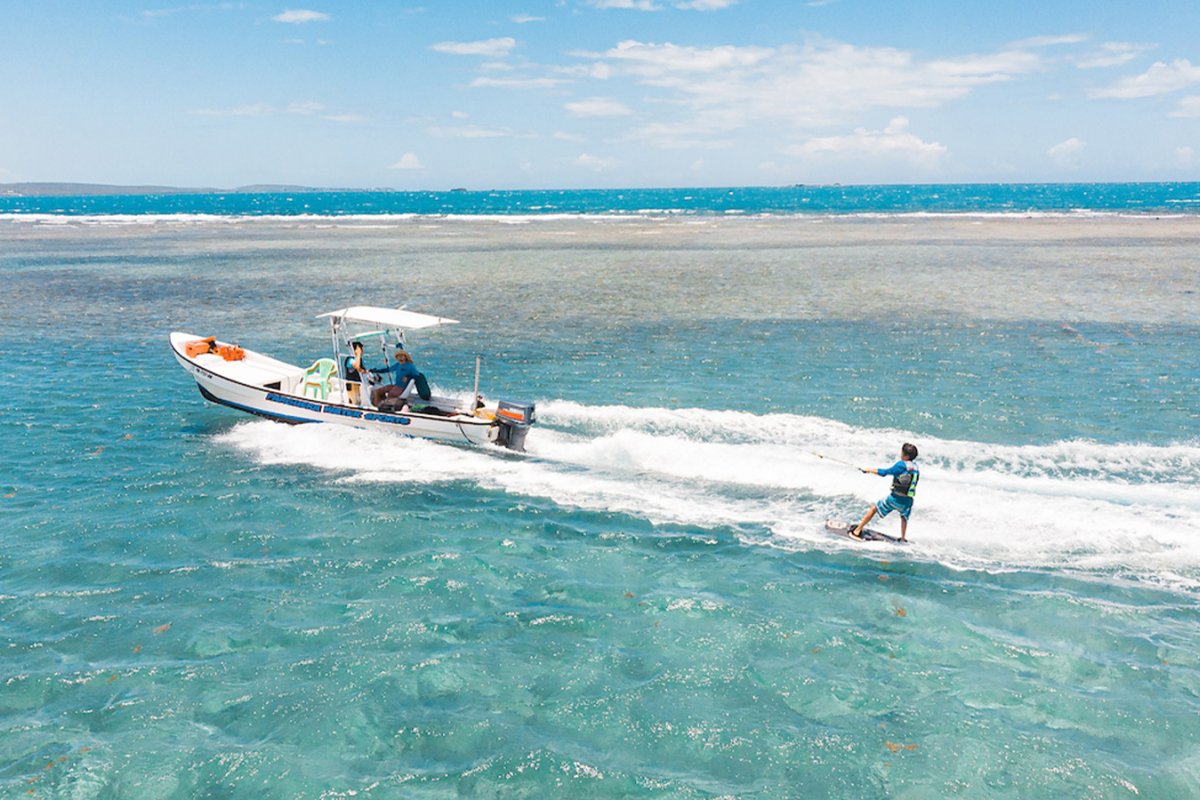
<point>401,373</point>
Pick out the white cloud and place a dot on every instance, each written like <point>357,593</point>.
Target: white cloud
<point>1185,156</point>
<point>1188,107</point>
<point>305,107</point>
<point>299,108</point>
<point>650,5</point>
<point>408,161</point>
<point>1050,41</point>
<point>299,16</point>
<point>635,5</point>
<point>492,48</point>
<point>1161,78</point>
<point>563,136</point>
<point>600,71</point>
<point>468,132</point>
<point>894,143</point>
<point>157,13</point>
<point>1112,54</point>
<point>681,135</point>
<point>706,96</point>
<point>1066,153</point>
<point>246,110</point>
<point>524,19</point>
<point>718,90</point>
<point>516,83</point>
<point>661,64</point>
<point>596,163</point>
<point>598,107</point>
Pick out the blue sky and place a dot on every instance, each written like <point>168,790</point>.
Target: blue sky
<point>599,93</point>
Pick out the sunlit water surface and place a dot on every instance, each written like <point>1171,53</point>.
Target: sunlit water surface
<point>197,603</point>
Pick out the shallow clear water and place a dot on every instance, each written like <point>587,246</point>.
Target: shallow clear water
<point>197,603</point>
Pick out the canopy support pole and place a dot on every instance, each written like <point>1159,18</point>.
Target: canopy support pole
<point>475,394</point>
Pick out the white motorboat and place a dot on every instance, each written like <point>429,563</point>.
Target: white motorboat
<point>243,379</point>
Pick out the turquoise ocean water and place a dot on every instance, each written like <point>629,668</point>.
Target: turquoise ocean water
<point>1139,198</point>
<point>197,603</point>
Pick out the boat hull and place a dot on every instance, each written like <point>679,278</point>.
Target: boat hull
<point>272,401</point>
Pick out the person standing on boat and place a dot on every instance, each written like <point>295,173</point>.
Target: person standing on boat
<point>354,369</point>
<point>402,371</point>
<point>904,488</point>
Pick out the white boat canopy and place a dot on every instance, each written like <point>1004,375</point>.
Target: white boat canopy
<point>388,317</point>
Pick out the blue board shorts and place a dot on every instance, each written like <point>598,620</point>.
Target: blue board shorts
<point>889,504</point>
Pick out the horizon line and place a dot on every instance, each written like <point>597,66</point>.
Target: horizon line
<point>85,189</point>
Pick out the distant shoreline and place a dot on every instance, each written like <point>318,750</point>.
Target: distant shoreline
<point>77,189</point>
<point>41,189</point>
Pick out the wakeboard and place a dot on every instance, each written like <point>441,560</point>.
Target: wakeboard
<point>868,535</point>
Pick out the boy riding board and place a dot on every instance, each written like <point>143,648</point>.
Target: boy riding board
<point>904,488</point>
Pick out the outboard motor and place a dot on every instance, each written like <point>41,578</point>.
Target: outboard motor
<point>514,421</point>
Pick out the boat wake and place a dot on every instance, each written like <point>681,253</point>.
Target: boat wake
<point>1110,510</point>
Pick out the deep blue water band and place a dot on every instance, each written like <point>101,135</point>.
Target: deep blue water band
<point>1015,198</point>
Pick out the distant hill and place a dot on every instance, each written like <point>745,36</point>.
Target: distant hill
<point>72,189</point>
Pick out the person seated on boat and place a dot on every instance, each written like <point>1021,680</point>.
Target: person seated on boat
<point>403,371</point>
<point>353,368</point>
